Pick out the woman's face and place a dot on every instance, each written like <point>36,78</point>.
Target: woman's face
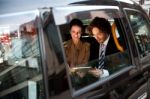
<point>75,32</point>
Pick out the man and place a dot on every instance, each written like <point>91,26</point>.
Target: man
<point>100,29</point>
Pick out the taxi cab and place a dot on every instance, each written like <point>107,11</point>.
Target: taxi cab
<point>33,60</point>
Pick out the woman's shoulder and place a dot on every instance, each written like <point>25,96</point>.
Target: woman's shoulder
<point>67,43</point>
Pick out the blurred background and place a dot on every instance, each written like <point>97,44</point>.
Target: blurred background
<point>145,4</point>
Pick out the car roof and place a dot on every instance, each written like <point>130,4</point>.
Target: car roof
<point>10,6</point>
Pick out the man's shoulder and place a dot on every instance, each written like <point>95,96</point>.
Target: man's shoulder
<point>111,47</point>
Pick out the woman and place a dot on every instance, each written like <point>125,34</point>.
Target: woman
<point>77,51</point>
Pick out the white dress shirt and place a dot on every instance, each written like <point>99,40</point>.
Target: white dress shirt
<point>105,72</point>
<point>104,45</point>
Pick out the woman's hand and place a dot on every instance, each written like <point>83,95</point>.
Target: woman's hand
<point>80,74</point>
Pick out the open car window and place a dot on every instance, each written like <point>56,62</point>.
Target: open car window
<point>79,75</point>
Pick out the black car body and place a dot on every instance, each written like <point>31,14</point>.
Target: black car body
<point>33,61</point>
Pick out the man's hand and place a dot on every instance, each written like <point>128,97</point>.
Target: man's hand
<point>96,72</point>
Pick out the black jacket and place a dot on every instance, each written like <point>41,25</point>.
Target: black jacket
<point>94,49</point>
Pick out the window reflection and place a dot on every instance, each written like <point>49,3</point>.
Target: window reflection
<point>57,79</point>
<point>20,60</point>
<point>141,31</point>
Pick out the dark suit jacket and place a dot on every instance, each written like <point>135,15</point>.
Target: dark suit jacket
<point>94,50</point>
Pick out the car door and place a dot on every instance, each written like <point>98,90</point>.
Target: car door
<point>117,63</point>
<point>140,26</point>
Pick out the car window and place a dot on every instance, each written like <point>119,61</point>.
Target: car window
<point>81,61</point>
<point>141,30</point>
<point>20,57</point>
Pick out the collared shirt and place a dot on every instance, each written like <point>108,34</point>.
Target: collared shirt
<point>104,45</point>
<point>106,41</point>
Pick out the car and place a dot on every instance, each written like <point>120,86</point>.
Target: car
<point>35,64</point>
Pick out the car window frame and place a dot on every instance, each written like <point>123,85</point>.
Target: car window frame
<point>102,81</point>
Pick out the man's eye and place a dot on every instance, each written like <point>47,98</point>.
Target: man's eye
<point>73,31</point>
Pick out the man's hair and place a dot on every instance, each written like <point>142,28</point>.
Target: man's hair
<point>76,22</point>
<point>100,23</point>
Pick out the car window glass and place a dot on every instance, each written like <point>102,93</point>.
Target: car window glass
<point>140,27</point>
<point>57,81</point>
<point>20,58</point>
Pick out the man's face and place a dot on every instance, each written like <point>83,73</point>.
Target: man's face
<point>75,32</point>
<point>99,35</point>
